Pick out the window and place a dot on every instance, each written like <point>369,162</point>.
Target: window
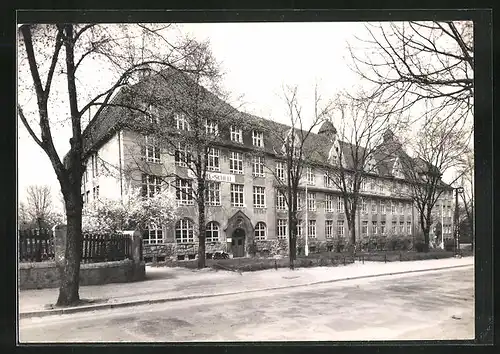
<point>213,159</point>
<point>311,228</point>
<point>329,203</point>
<point>236,134</point>
<point>340,205</point>
<point>151,151</point>
<point>300,201</point>
<point>381,187</point>
<point>280,201</point>
<point>363,186</point>
<point>374,208</point>
<point>213,193</point>
<point>258,166</point>
<point>259,197</point>
<point>280,171</point>
<point>364,228</point>
<point>401,227</point>
<point>382,227</point>
<point>311,201</point>
<point>340,228</point>
<point>281,229</point>
<point>184,231</point>
<point>182,155</point>
<point>211,127</point>
<point>408,227</point>
<point>382,208</point>
<point>151,185</point>
<point>401,210</point>
<point>153,236</point>
<point>260,231</point>
<point>374,227</point>
<point>372,185</point>
<point>237,195</point>
<point>154,114</point>
<point>364,209</point>
<point>408,208</point>
<point>236,162</point>
<point>257,138</point>
<point>329,228</point>
<point>309,176</point>
<point>393,208</point>
<point>181,122</point>
<point>299,227</point>
<point>394,227</point>
<point>87,196</point>
<point>184,191</point>
<point>95,171</point>
<point>212,232</point>
<point>327,181</point>
<point>95,193</point>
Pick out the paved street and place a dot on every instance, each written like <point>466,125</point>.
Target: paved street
<point>429,305</point>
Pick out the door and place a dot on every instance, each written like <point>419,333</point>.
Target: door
<point>238,243</point>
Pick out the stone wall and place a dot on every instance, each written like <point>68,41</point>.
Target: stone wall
<point>43,275</point>
<point>171,250</point>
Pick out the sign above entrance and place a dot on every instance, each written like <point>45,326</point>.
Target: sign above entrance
<point>215,176</point>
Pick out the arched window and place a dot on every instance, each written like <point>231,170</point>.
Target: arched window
<point>184,231</point>
<point>212,232</point>
<point>260,231</point>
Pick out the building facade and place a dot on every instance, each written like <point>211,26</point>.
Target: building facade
<point>245,214</point>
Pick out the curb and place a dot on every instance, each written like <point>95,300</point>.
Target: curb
<point>71,310</point>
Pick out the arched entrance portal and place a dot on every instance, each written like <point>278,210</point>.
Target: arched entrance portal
<point>238,243</point>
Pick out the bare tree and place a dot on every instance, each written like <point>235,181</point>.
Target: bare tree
<point>417,61</point>
<point>466,181</point>
<point>58,59</point>
<point>439,147</point>
<point>354,155</point>
<point>23,218</point>
<point>189,122</point>
<point>293,146</point>
<point>39,203</point>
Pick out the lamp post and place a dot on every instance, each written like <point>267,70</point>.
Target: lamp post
<point>457,233</point>
<point>306,246</point>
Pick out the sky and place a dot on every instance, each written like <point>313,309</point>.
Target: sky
<point>258,60</point>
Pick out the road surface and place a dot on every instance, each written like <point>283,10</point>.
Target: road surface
<point>429,305</point>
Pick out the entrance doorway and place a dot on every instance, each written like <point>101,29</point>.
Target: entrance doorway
<point>238,243</point>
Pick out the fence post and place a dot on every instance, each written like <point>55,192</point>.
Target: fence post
<point>344,260</point>
<point>136,253</point>
<point>385,257</point>
<point>59,245</point>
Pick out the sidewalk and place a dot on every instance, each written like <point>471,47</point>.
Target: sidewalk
<point>169,284</point>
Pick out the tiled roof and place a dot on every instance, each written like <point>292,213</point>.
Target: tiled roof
<point>169,83</point>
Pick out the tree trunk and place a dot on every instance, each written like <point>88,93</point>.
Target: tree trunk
<point>201,225</point>
<point>292,237</point>
<point>70,275</point>
<point>352,234</point>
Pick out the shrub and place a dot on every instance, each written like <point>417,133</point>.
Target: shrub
<point>420,246</point>
<point>449,244</point>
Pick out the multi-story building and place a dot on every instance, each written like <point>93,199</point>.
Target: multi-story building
<point>243,208</point>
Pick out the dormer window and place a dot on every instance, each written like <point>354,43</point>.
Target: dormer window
<point>181,122</point>
<point>257,138</point>
<point>397,170</point>
<point>211,127</point>
<point>236,134</point>
<point>370,166</point>
<point>153,114</point>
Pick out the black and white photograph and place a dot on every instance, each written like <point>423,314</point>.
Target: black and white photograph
<point>182,182</point>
